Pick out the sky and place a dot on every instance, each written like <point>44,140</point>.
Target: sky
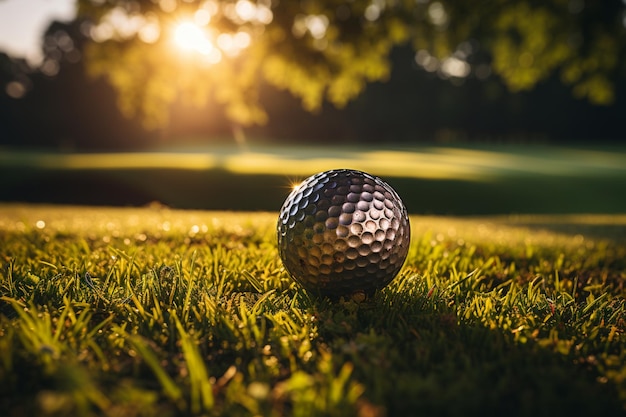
<point>23,22</point>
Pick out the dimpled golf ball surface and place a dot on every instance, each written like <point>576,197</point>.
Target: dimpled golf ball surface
<point>343,232</point>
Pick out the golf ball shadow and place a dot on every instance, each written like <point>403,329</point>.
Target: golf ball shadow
<point>343,232</point>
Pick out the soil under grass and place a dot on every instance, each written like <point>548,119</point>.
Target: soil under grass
<point>155,311</point>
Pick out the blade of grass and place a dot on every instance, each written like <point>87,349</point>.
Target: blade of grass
<point>170,388</point>
<point>201,387</point>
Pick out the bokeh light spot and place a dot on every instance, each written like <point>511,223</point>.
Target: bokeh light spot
<point>426,60</point>
<point>455,67</point>
<point>245,9</point>
<point>242,40</point>
<point>317,25</point>
<point>150,31</point>
<point>50,67</point>
<point>202,17</point>
<point>15,89</point>
<point>167,6</point>
<point>372,12</point>
<point>437,14</point>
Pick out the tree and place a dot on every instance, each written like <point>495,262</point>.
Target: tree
<point>156,51</point>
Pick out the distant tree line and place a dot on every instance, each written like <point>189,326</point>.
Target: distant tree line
<point>155,52</point>
<point>129,73</point>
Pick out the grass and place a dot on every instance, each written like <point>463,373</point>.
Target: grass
<point>154,311</point>
<point>432,180</point>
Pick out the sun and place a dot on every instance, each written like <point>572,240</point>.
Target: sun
<point>190,36</point>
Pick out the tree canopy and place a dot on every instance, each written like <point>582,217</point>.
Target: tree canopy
<point>155,52</point>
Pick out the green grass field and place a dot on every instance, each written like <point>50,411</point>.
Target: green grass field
<point>431,179</point>
<point>160,312</point>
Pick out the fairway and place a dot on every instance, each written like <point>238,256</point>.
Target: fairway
<point>156,311</point>
<point>449,180</point>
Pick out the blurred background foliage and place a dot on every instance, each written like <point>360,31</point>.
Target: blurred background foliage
<point>329,49</point>
<point>142,73</point>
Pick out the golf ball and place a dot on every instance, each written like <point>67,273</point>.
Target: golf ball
<point>343,232</point>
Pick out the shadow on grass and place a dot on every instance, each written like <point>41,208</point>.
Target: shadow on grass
<point>219,189</point>
<point>418,360</point>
